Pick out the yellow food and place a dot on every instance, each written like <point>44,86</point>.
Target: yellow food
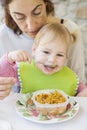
<point>50,98</point>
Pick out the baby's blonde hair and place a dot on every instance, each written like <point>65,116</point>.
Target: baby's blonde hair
<point>51,32</point>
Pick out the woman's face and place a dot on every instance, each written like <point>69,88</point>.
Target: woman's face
<point>29,15</point>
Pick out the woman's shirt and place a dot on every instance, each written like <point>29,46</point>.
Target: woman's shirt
<point>9,41</point>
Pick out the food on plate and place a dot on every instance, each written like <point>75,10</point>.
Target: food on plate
<point>50,101</point>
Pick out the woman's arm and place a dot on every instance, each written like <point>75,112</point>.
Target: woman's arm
<point>7,77</point>
<point>7,69</point>
<point>6,84</point>
<point>8,66</point>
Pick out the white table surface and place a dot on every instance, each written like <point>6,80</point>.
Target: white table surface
<point>8,113</point>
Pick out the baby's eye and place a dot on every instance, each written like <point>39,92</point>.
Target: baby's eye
<point>46,52</point>
<point>61,55</point>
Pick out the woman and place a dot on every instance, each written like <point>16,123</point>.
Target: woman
<point>23,20</point>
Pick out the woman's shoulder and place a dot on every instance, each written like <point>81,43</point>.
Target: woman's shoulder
<point>3,27</point>
<point>7,33</point>
<point>4,30</point>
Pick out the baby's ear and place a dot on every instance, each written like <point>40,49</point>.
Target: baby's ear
<point>75,35</point>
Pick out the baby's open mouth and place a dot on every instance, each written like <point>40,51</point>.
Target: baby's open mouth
<point>50,67</point>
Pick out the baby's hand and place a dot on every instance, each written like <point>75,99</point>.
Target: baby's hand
<point>20,55</point>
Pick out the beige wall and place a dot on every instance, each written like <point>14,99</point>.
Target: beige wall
<point>75,10</point>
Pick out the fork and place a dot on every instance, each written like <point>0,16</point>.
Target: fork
<point>23,98</point>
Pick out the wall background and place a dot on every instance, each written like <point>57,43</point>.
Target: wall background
<point>75,10</point>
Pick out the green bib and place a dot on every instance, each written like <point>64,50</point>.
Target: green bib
<point>32,79</point>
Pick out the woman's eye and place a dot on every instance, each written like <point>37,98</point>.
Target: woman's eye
<point>37,12</point>
<point>19,17</point>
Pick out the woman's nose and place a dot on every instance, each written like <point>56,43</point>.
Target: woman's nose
<point>31,24</point>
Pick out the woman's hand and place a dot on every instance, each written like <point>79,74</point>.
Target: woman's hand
<point>20,55</point>
<point>6,84</point>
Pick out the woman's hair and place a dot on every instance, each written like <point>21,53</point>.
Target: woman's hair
<point>51,32</point>
<point>9,20</point>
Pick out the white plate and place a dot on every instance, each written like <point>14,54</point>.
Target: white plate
<point>31,114</point>
<point>4,125</point>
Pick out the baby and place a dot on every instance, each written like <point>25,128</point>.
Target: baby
<point>47,69</point>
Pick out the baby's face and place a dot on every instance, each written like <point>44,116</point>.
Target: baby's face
<point>50,57</point>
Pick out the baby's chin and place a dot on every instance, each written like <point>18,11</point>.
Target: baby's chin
<point>48,73</point>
